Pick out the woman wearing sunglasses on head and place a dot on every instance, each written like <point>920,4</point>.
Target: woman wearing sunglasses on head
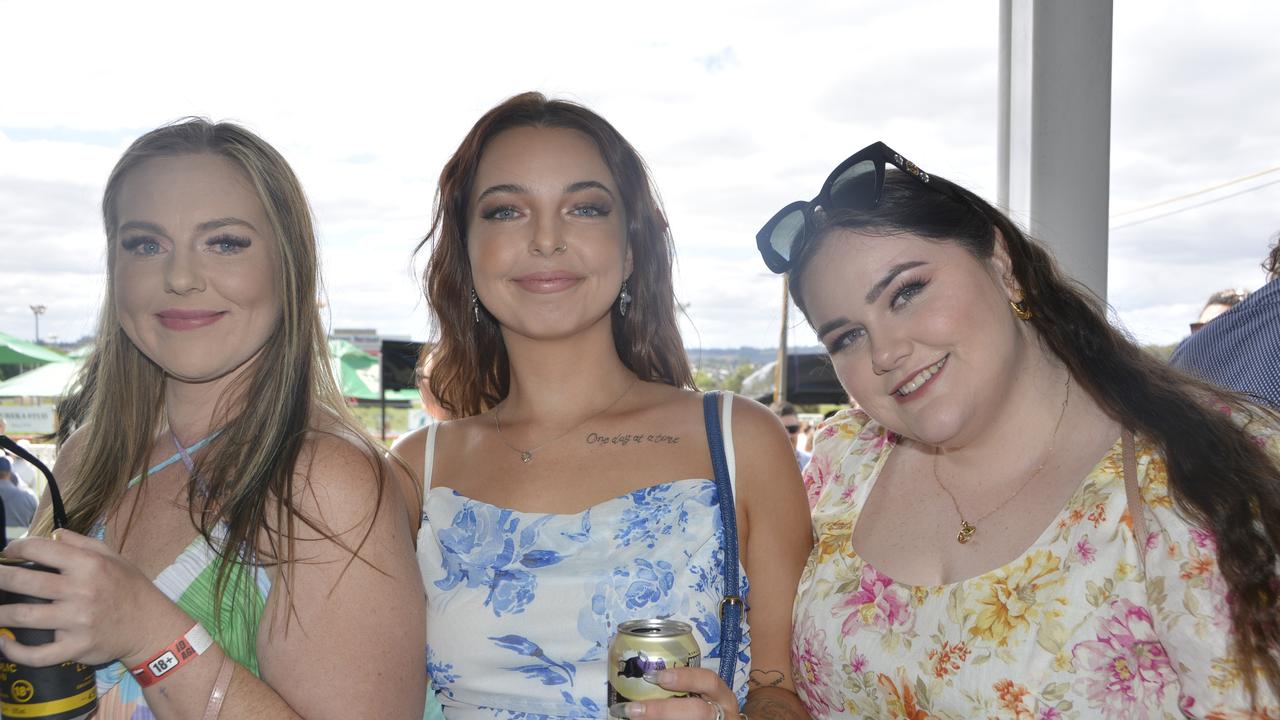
<point>582,482</point>
<point>1027,516</point>
<point>217,457</point>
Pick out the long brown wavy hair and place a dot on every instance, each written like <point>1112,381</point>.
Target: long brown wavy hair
<point>471,371</point>
<point>249,470</point>
<point>1218,476</point>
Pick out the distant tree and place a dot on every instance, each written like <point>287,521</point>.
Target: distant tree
<point>1161,351</point>
<point>733,381</point>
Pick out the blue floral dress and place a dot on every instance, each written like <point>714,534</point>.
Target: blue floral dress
<point>521,606</point>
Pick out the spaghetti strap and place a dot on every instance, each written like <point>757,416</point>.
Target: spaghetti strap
<point>428,459</point>
<point>726,427</point>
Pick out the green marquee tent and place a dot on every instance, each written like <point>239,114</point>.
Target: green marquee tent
<point>14,351</point>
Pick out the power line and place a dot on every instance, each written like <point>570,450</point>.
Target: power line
<point>1198,192</point>
<point>1193,207</point>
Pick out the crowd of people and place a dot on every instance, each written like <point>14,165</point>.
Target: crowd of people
<point>1021,515</point>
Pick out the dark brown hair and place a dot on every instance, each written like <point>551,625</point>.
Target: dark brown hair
<point>1218,476</point>
<point>471,371</point>
<point>1272,263</point>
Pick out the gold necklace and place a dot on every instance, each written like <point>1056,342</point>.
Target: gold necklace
<point>526,456</point>
<point>967,528</point>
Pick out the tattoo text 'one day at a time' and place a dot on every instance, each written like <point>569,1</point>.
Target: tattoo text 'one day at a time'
<point>632,439</point>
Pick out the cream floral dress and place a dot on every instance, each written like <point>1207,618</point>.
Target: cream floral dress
<point>1081,625</point>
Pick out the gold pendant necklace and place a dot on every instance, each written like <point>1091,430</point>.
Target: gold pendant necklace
<point>526,455</point>
<point>968,529</point>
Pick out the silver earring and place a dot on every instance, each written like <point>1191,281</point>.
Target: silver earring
<point>624,299</point>
<point>475,305</point>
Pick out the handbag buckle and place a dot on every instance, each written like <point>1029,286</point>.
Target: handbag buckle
<point>730,600</point>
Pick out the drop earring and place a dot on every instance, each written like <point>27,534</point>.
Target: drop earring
<point>624,299</point>
<point>475,305</point>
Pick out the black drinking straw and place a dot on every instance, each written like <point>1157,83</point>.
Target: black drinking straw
<point>59,512</point>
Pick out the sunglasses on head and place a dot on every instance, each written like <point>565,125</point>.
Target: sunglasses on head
<point>855,184</point>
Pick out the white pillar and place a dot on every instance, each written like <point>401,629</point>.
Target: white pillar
<point>1055,127</point>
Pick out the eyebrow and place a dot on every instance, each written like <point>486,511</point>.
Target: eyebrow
<point>872,295</point>
<point>203,227</point>
<point>894,272</point>
<point>832,325</point>
<point>570,188</point>
<point>222,222</point>
<point>587,185</point>
<point>143,226</point>
<point>505,188</point>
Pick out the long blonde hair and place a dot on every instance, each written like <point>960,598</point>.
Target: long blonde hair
<point>248,471</point>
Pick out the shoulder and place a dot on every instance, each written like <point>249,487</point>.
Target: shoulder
<point>65,467</point>
<point>412,447</point>
<point>344,478</point>
<point>843,430</point>
<point>841,444</point>
<point>752,422</point>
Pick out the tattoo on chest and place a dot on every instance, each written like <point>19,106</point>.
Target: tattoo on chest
<point>623,439</point>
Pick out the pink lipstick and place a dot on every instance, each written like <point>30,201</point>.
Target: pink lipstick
<point>188,319</point>
<point>544,283</point>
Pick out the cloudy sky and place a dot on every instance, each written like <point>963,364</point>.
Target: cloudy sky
<point>738,108</point>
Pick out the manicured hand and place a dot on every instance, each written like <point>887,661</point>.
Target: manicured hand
<point>714,700</point>
<point>103,608</point>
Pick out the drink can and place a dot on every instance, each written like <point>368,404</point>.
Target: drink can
<point>65,691</point>
<point>646,646</point>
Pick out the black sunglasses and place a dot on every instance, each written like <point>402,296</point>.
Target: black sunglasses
<point>855,184</point>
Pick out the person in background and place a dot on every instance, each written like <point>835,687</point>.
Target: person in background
<point>571,491</point>
<point>1027,515</point>
<point>216,455</point>
<point>1218,303</point>
<point>786,412</point>
<point>19,502</point>
<point>1240,349</point>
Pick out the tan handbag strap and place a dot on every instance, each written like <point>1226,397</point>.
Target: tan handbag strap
<point>1131,490</point>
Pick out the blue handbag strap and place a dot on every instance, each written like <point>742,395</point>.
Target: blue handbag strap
<point>731,605</point>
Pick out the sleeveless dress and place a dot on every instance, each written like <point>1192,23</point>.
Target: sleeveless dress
<point>521,606</point>
<point>189,583</point>
<point>1085,624</point>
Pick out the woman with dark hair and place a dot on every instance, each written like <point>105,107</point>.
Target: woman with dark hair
<point>1026,515</point>
<point>573,489</point>
<point>236,545</point>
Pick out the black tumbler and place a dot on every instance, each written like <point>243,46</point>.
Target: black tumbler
<point>57,692</point>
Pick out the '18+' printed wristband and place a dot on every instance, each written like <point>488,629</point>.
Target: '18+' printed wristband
<point>186,648</point>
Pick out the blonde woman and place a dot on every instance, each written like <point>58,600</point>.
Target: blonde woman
<point>216,457</point>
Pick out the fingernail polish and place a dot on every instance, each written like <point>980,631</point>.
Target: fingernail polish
<point>626,710</point>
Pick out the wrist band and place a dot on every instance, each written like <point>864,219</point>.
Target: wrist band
<point>219,692</point>
<point>190,645</point>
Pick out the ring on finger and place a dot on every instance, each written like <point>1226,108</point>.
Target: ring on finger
<point>716,706</point>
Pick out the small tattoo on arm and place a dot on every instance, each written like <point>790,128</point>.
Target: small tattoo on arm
<point>623,439</point>
<point>765,678</point>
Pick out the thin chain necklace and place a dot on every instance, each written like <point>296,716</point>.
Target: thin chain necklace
<point>526,456</point>
<point>967,528</point>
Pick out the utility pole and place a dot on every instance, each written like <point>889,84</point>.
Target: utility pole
<point>38,310</point>
<point>780,371</point>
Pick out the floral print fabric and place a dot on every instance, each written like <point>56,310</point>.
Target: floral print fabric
<point>521,606</point>
<point>1082,625</point>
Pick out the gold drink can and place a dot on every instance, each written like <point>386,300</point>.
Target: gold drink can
<point>642,646</point>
